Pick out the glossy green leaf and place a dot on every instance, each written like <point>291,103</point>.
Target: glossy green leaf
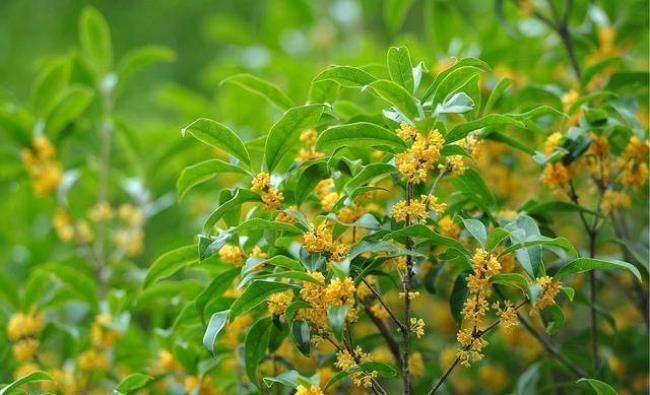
<point>515,280</point>
<point>255,345</point>
<point>464,68</point>
<point>458,295</point>
<point>69,106</point>
<point>559,242</point>
<point>241,196</point>
<point>496,94</point>
<point>95,38</point>
<point>215,325</point>
<point>581,265</point>
<point>133,383</point>
<point>201,172</point>
<point>254,295</point>
<point>336,319</point>
<point>308,180</point>
<point>47,88</point>
<point>347,76</point>
<point>395,95</point>
<point>261,88</point>
<point>257,224</point>
<point>141,58</point>
<point>301,335</point>
<point>218,136</point>
<point>367,174</point>
<point>79,283</point>
<point>424,232</point>
<point>395,12</point>
<point>461,131</point>
<point>361,134</point>
<point>285,133</point>
<point>323,91</point>
<point>400,68</point>
<point>220,284</point>
<point>458,103</point>
<point>169,263</point>
<point>476,229</point>
<point>599,387</point>
<point>33,377</point>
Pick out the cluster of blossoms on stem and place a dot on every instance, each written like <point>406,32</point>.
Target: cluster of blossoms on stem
<point>414,163</point>
<point>308,138</point>
<point>549,289</point>
<point>476,306</point>
<point>44,171</point>
<point>319,240</point>
<point>231,254</point>
<point>102,339</point>
<point>325,193</point>
<point>417,209</point>
<point>23,330</point>
<point>347,361</point>
<point>271,197</point>
<point>311,390</point>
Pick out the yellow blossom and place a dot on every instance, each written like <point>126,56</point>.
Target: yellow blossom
<point>257,252</point>
<point>456,164</point>
<point>167,362</point>
<point>25,349</point>
<point>271,199</point>
<point>323,188</point>
<point>231,254</point>
<point>101,211</point>
<point>261,182</point>
<point>406,131</point>
<point>416,325</point>
<point>552,142</point>
<point>329,200</point>
<point>613,200</point>
<point>93,360</point>
<point>556,176</point>
<point>448,228</point>
<point>415,210</point>
<point>340,291</point>
<point>549,289</point>
<point>493,377</point>
<point>379,311</point>
<point>279,302</point>
<point>313,390</point>
<point>318,239</point>
<point>507,314</point>
<point>44,172</point>
<point>414,163</point>
<point>416,364</point>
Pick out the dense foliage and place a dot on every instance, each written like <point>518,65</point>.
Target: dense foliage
<point>375,220</point>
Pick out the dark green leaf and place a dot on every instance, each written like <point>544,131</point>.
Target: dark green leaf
<point>201,172</point>
<point>361,134</point>
<point>262,88</point>
<point>218,136</point>
<point>169,263</point>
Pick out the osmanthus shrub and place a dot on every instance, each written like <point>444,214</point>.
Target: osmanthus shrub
<point>342,219</point>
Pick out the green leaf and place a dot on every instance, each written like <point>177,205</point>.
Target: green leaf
<point>30,378</point>
<point>141,58</point>
<point>400,68</point>
<point>259,224</point>
<point>285,133</point>
<point>593,70</point>
<point>218,136</point>
<point>395,12</point>
<point>336,319</point>
<point>220,284</point>
<point>308,180</point>
<point>456,75</point>
<point>395,95</point>
<point>461,131</point>
<point>367,174</point>
<point>301,336</point>
<point>458,103</point>
<point>599,387</point>
<point>241,196</point>
<point>201,172</point>
<point>560,242</point>
<point>47,87</point>
<point>533,207</point>
<point>473,186</point>
<point>476,229</point>
<point>283,261</point>
<point>458,295</point>
<point>346,76</point>
<point>261,88</point>
<point>132,383</point>
<point>422,231</point>
<point>255,345</point>
<point>496,94</point>
<point>291,379</point>
<point>95,38</point>
<point>360,134</point>
<point>254,295</point>
<point>79,283</point>
<point>505,139</point>
<point>515,280</point>
<point>324,91</point>
<point>169,263</point>
<point>496,237</point>
<point>581,265</point>
<point>69,106</point>
<point>553,318</point>
<point>215,325</point>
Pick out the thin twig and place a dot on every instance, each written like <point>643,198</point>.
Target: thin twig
<point>399,323</point>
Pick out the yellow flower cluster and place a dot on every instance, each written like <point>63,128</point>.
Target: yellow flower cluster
<point>318,239</point>
<point>416,364</point>
<point>634,163</point>
<point>325,193</point>
<point>456,164</point>
<point>379,311</point>
<point>350,214</point>
<point>416,325</point>
<point>347,362</point>
<point>417,209</point>
<point>308,137</point>
<point>130,238</point>
<point>271,197</point>
<point>167,362</point>
<point>340,291</point>
<point>279,302</point>
<point>364,291</point>
<point>549,290</point>
<point>552,142</point>
<point>415,163</point>
<point>614,199</point>
<point>91,360</point>
<point>407,132</point>
<point>100,212</point>
<point>507,314</point>
<point>314,294</point>
<point>448,228</point>
<point>22,330</point>
<point>476,305</point>
<point>45,173</point>
<point>67,230</point>
<point>557,176</point>
<point>313,390</point>
<point>231,254</point>
<point>103,337</point>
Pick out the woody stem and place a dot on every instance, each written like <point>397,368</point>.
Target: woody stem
<point>406,285</point>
